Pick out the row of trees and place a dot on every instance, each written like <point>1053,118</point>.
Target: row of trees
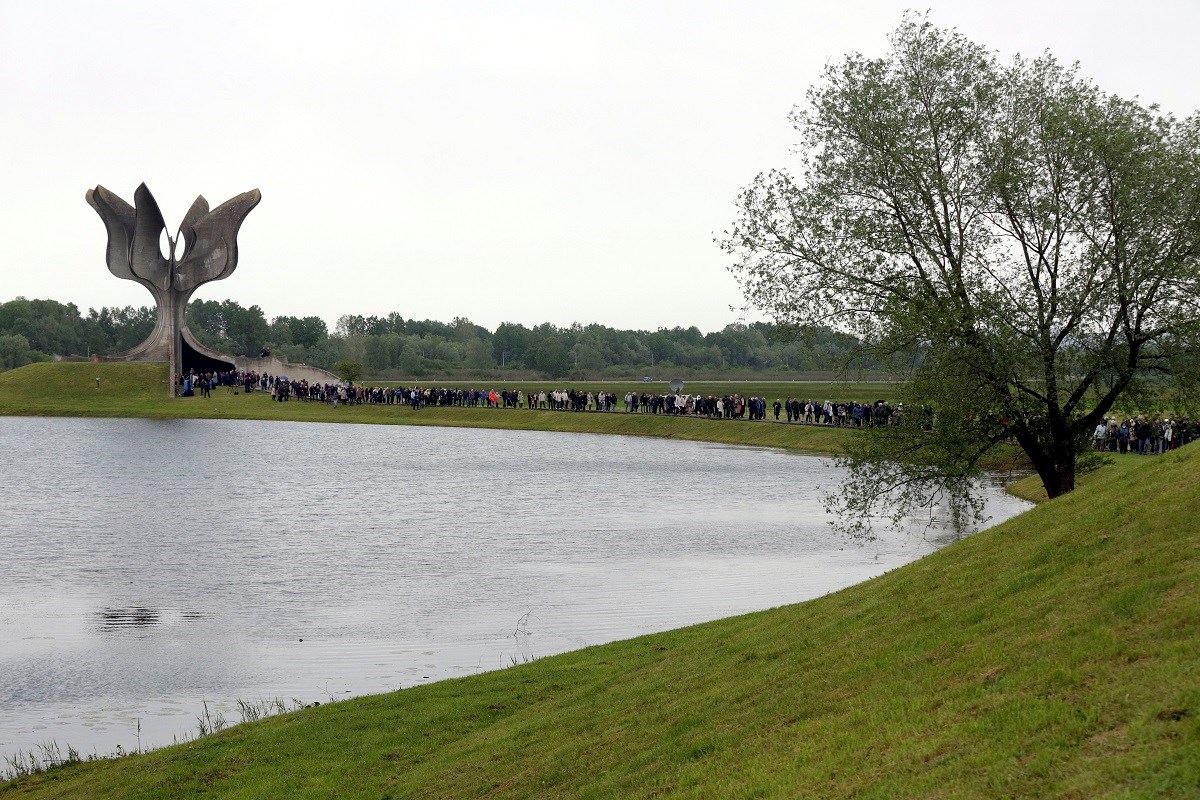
<point>411,347</point>
<point>32,330</point>
<point>36,330</point>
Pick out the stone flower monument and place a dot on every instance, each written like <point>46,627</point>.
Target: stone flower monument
<point>203,250</point>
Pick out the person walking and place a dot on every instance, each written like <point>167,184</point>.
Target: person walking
<point>1142,430</point>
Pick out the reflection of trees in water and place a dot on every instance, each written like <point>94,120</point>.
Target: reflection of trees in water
<point>113,619</point>
<point>135,617</point>
<point>937,523</point>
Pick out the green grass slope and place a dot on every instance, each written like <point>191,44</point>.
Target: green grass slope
<point>1057,655</point>
<point>140,390</point>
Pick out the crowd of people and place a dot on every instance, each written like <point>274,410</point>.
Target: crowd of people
<point>1143,436</point>
<point>726,406</point>
<point>1134,435</point>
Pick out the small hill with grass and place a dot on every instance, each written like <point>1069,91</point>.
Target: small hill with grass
<point>1056,655</point>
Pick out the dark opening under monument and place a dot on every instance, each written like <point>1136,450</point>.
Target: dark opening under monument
<point>204,249</point>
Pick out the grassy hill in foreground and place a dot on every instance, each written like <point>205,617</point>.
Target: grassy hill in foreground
<point>1057,655</point>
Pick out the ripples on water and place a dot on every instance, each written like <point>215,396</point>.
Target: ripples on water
<point>151,565</point>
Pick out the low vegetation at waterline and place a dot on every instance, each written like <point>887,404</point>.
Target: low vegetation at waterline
<point>139,390</point>
<point>1051,656</point>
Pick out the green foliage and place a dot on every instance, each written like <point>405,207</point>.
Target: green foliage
<point>228,327</point>
<point>414,348</point>
<point>478,354</point>
<point>114,330</point>
<point>509,343</point>
<point>46,325</point>
<point>1028,240</point>
<point>348,370</point>
<point>549,356</point>
<point>305,332</point>
<point>52,328</point>
<point>16,352</point>
<point>396,347</point>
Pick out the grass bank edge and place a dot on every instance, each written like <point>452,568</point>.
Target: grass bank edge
<point>139,390</point>
<point>1052,655</point>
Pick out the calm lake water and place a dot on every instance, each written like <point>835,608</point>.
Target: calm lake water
<point>147,567</point>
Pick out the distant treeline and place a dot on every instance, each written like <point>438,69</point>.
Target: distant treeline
<point>392,346</point>
<point>37,330</point>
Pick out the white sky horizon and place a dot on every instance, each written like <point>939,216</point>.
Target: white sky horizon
<point>523,162</point>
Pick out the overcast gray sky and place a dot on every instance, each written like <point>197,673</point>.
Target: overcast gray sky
<point>526,162</point>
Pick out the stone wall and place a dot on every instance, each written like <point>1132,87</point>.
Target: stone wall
<point>273,365</point>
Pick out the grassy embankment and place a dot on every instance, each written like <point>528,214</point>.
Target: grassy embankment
<point>1055,655</point>
<point>139,390</point>
<point>1030,487</point>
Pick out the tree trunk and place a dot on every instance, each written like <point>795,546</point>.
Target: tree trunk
<point>1066,477</point>
<point>1057,471</point>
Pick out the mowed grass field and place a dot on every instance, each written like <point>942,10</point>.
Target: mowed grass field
<point>1054,656</point>
<point>140,390</point>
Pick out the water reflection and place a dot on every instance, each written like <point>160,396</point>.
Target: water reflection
<point>184,561</point>
<point>123,620</point>
<point>113,619</point>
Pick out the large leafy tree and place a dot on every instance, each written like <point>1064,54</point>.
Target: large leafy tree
<point>304,331</point>
<point>229,327</point>
<point>1030,240</point>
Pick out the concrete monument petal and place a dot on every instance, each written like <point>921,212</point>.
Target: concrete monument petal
<point>145,257</point>
<point>199,209</point>
<point>212,242</point>
<point>118,217</point>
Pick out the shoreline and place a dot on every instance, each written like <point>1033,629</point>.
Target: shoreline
<point>771,482</point>
<point>135,390</point>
